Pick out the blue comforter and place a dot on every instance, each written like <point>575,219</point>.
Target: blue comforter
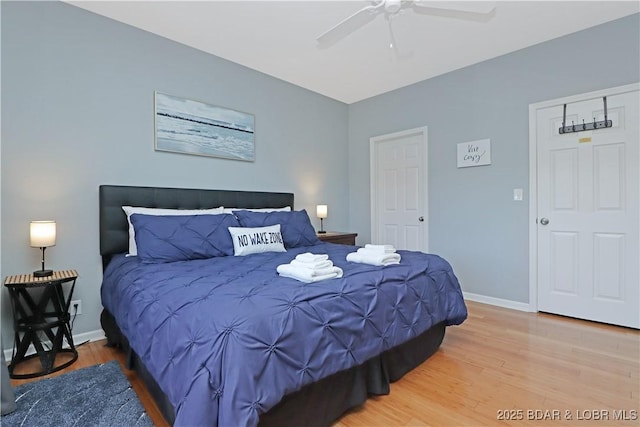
<point>226,338</point>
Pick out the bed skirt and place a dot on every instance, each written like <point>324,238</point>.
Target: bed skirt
<point>317,404</point>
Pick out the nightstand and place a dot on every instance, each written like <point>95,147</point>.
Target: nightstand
<point>43,311</point>
<point>338,237</point>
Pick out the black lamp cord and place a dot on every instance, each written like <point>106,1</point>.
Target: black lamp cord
<point>75,313</point>
<point>73,319</point>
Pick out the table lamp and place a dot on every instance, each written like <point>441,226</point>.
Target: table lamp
<point>43,235</point>
<point>321,212</point>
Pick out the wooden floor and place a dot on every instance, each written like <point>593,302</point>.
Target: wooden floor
<point>501,367</point>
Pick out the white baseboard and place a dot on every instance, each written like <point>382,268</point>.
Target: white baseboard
<point>514,305</point>
<point>91,336</point>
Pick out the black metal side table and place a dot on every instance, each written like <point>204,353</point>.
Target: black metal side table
<point>45,311</point>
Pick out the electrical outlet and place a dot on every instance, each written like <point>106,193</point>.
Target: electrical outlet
<point>75,307</point>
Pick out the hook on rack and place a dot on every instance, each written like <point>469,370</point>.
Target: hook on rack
<point>606,123</point>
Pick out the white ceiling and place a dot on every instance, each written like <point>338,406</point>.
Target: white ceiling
<point>279,37</point>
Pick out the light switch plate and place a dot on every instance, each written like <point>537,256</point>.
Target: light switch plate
<point>517,194</point>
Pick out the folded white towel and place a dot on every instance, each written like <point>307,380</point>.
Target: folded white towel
<point>373,258</point>
<point>328,270</point>
<point>309,257</point>
<point>307,275</point>
<point>372,252</point>
<point>384,249</point>
<point>312,265</point>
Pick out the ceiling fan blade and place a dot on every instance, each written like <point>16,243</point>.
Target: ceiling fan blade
<point>480,7</point>
<point>350,24</point>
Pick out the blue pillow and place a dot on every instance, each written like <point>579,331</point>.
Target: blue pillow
<point>183,237</point>
<point>295,226</point>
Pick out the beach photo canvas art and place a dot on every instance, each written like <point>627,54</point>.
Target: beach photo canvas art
<point>193,127</point>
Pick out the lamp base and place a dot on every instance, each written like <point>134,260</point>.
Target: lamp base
<point>322,232</point>
<point>42,273</point>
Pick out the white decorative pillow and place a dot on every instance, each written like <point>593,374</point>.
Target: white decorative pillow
<point>130,210</point>
<point>256,240</point>
<point>284,209</point>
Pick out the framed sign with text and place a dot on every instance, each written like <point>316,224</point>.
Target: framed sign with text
<point>474,153</point>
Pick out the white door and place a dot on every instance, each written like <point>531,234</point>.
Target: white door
<point>588,212</point>
<point>399,190</point>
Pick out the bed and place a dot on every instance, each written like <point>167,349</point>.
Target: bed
<point>224,340</point>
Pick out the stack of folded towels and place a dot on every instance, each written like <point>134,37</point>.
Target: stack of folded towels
<point>375,255</point>
<point>308,268</point>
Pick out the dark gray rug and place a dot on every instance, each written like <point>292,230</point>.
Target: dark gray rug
<point>99,395</point>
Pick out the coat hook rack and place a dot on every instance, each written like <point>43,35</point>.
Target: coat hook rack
<point>581,127</point>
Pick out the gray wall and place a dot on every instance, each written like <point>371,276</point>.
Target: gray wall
<point>474,222</point>
<point>77,112</point>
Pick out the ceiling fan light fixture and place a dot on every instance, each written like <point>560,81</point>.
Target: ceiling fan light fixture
<point>392,6</point>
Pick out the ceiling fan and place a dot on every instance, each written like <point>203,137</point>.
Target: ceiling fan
<point>472,10</point>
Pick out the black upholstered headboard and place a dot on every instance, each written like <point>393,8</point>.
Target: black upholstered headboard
<point>114,229</point>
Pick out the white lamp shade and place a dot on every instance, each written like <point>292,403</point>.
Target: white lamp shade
<point>321,211</point>
<point>42,234</point>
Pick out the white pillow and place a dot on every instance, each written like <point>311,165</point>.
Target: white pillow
<point>285,209</point>
<point>257,240</point>
<point>130,210</point>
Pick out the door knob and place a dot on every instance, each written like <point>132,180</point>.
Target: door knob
<point>544,221</point>
<point>421,219</point>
